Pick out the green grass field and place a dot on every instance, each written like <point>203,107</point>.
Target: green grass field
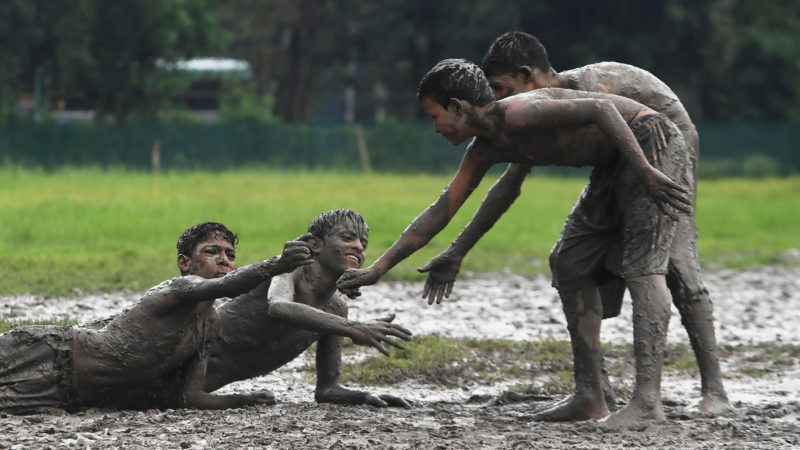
<point>99,230</point>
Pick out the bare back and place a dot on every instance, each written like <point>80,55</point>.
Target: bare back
<point>637,84</point>
<point>545,127</point>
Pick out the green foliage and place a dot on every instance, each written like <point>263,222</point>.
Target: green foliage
<point>766,358</point>
<point>728,60</point>
<point>100,53</point>
<point>539,368</point>
<point>456,362</point>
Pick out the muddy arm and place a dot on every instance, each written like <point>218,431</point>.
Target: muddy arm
<point>244,279</point>
<point>193,396</point>
<point>422,229</point>
<point>328,390</point>
<point>604,114</point>
<point>443,268</point>
<point>282,307</point>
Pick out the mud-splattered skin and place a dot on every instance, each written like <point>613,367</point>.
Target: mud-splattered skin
<point>160,343</point>
<point>264,329</point>
<point>683,279</point>
<point>545,127</point>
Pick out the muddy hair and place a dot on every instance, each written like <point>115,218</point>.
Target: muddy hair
<point>455,78</point>
<point>324,223</point>
<point>198,233</point>
<point>512,50</point>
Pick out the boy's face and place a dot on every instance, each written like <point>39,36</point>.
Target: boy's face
<point>343,248</point>
<point>212,258</point>
<point>449,122</point>
<point>509,84</point>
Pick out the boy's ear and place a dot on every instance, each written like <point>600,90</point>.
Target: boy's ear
<point>314,243</point>
<point>456,104</point>
<point>527,73</point>
<point>184,263</point>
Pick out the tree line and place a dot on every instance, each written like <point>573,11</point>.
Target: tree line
<point>360,61</point>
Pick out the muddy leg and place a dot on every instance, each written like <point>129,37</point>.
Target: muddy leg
<point>697,316</point>
<point>583,310</point>
<point>650,321</point>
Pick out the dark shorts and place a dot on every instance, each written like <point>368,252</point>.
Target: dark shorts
<point>615,230</point>
<point>36,369</point>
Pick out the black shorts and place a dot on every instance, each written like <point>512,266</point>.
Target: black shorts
<point>616,230</point>
<point>36,369</point>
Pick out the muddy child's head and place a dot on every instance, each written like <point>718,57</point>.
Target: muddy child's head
<point>516,62</point>
<point>339,239</point>
<point>447,91</point>
<point>207,250</point>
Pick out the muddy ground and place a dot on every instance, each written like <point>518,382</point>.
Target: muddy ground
<point>757,306</point>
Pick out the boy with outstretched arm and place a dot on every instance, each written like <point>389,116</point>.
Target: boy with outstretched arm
<point>266,328</point>
<point>622,140</point>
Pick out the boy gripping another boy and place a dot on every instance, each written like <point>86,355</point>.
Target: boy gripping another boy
<point>517,62</point>
<point>266,328</point>
<point>564,127</point>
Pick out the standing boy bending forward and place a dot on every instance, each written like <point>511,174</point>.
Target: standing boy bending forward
<point>636,154</point>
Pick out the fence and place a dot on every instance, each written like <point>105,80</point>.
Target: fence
<point>726,149</point>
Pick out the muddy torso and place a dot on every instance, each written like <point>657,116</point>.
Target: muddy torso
<point>637,84</point>
<point>551,144</point>
<point>252,344</point>
<point>146,341</point>
<point>631,82</point>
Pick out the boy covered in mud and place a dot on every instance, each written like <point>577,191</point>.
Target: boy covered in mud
<point>266,328</point>
<point>517,62</point>
<point>151,355</point>
<point>622,139</point>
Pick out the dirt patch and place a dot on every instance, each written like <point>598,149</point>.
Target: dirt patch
<point>751,308</point>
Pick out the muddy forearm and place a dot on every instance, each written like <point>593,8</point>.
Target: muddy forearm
<point>437,216</point>
<point>499,198</point>
<point>309,318</point>
<point>329,362</point>
<point>619,132</point>
<point>416,235</point>
<point>237,282</point>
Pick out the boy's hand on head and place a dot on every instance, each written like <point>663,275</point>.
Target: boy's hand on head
<point>442,271</point>
<point>668,194</point>
<point>352,279</point>
<point>295,254</point>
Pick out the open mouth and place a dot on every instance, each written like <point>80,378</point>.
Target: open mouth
<point>220,274</point>
<point>352,257</point>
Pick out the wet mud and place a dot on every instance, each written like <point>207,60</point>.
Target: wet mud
<point>754,307</point>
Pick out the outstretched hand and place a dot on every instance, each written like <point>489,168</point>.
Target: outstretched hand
<point>295,254</point>
<point>442,271</point>
<point>375,333</point>
<point>352,279</point>
<point>668,194</point>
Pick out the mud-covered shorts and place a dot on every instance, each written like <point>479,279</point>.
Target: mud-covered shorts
<point>36,369</point>
<point>616,230</point>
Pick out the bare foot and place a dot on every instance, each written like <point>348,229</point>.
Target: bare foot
<point>265,397</point>
<point>716,405</point>
<point>634,416</point>
<point>572,408</point>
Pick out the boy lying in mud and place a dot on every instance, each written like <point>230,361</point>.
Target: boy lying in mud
<point>151,355</point>
<point>155,353</point>
<point>266,328</point>
<point>634,151</point>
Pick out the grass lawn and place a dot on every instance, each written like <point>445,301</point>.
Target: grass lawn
<point>105,230</point>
